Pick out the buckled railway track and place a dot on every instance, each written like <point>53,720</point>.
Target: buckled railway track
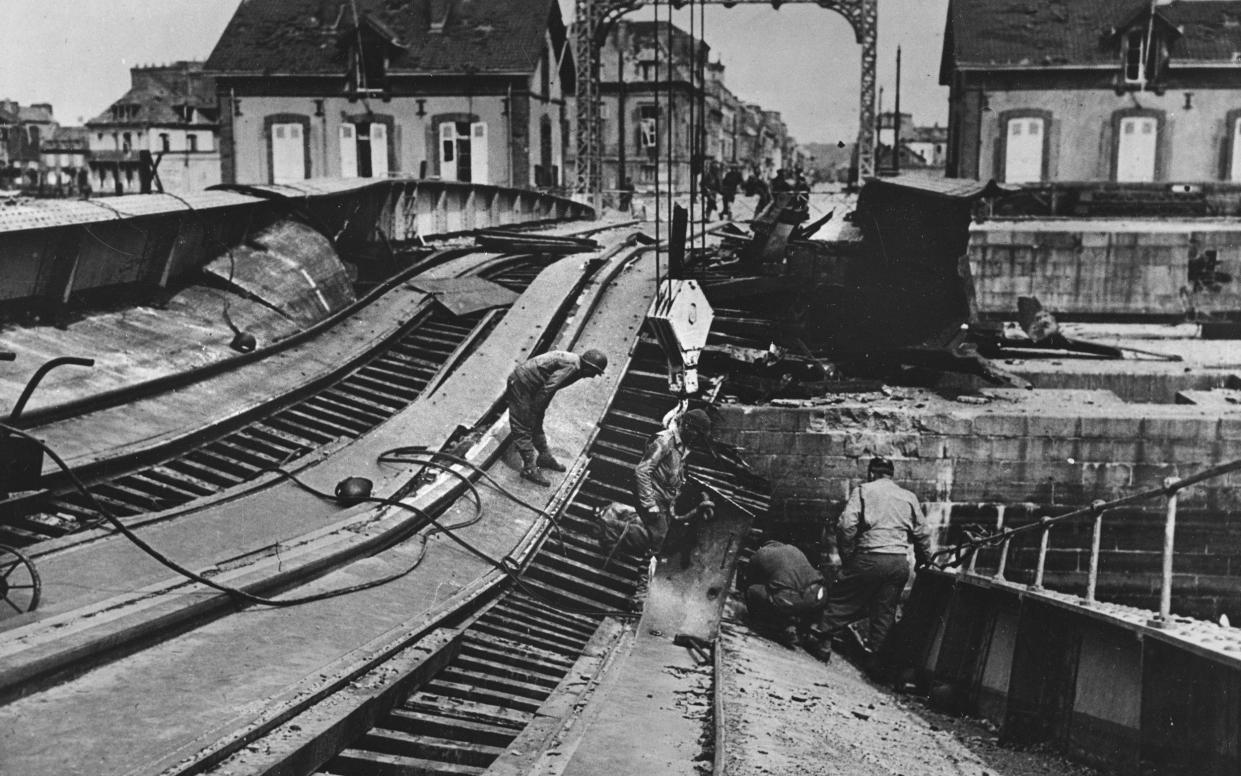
<point>351,404</point>
<point>513,656</point>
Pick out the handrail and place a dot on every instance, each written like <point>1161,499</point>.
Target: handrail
<point>1170,489</point>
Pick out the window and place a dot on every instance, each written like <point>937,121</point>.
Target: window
<point>648,127</point>
<point>1135,57</point>
<point>165,143</point>
<point>1023,151</point>
<point>288,152</point>
<point>1234,132</point>
<point>1137,146</point>
<point>463,151</point>
<point>545,66</point>
<point>364,150</point>
<point>127,143</point>
<point>193,141</point>
<point>646,174</point>
<point>648,70</point>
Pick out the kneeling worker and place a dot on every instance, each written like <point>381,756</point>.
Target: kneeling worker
<point>880,522</point>
<point>785,592</point>
<point>660,475</point>
<point>531,387</point>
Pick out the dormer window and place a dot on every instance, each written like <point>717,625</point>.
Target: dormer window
<point>369,70</point>
<point>371,47</point>
<point>1135,58</point>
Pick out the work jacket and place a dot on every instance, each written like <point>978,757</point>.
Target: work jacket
<point>535,381</point>
<point>661,472</point>
<point>782,566</point>
<point>883,518</point>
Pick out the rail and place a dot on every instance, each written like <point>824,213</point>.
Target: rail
<point>1170,490</point>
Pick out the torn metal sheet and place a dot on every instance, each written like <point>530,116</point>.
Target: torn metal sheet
<point>462,296</point>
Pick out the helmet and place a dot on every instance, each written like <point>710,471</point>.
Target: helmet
<point>595,361</point>
<point>879,464</point>
<point>697,421</point>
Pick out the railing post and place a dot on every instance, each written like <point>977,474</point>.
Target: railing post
<point>1042,553</point>
<point>1169,535</point>
<point>999,569</point>
<point>1092,581</point>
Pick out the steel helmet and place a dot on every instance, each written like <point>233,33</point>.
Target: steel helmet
<point>697,421</point>
<point>595,361</point>
<point>881,464</point>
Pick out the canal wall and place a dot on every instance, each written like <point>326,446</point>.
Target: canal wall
<point>1108,269</point>
<point>1020,456</point>
<point>1101,682</point>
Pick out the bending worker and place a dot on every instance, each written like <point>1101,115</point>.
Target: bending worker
<point>785,592</point>
<point>660,474</point>
<point>880,522</point>
<point>531,387</point>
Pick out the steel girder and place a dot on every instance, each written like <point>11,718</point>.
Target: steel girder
<point>594,17</point>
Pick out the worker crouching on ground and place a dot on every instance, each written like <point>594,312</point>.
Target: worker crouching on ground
<point>531,387</point>
<point>880,523</point>
<point>660,475</point>
<point>785,594</point>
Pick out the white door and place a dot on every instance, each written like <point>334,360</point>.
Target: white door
<point>348,151</point>
<point>1023,151</point>
<point>1135,155</point>
<point>379,150</point>
<point>288,153</point>
<point>479,172</point>
<point>1235,173</point>
<point>448,151</point>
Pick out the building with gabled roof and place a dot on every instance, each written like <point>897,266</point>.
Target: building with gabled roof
<point>470,90</point>
<point>1094,90</point>
<point>160,135</point>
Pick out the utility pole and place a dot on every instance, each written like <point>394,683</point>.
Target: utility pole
<point>622,172</point>
<point>896,130</point>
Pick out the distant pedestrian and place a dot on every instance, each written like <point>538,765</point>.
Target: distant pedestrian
<point>531,387</point>
<point>728,190</point>
<point>626,195</point>
<point>880,523</point>
<point>709,186</point>
<point>784,593</point>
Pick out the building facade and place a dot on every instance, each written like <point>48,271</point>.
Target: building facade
<point>23,129</point>
<point>161,135</point>
<point>1093,90</point>
<point>467,90</point>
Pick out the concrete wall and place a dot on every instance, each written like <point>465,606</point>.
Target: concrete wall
<point>1014,461</point>
<point>1097,682</point>
<point>1105,268</point>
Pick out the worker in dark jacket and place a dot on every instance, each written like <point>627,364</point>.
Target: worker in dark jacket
<point>784,593</point>
<point>880,523</point>
<point>728,190</point>
<point>531,387</point>
<point>660,474</point>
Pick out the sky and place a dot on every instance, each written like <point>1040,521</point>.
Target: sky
<point>801,60</point>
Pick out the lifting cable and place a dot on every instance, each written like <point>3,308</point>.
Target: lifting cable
<point>505,565</point>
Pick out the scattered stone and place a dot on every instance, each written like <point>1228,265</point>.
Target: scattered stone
<point>864,716</point>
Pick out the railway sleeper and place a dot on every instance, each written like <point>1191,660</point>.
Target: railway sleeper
<point>470,692</point>
<point>539,624</point>
<point>486,679</point>
<point>422,723</point>
<point>582,623</point>
<point>509,672</point>
<point>521,635</point>
<point>430,747</point>
<point>572,600</point>
<point>364,418</point>
<point>494,645</point>
<point>567,584</point>
<point>529,664</point>
<point>357,762</point>
<point>585,573</point>
<point>567,642</point>
<point>467,710</point>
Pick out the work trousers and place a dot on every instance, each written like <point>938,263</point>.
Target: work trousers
<point>869,584</point>
<point>525,419</point>
<point>779,610</point>
<point>657,525</point>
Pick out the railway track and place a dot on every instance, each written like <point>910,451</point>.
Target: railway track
<point>354,401</point>
<point>513,656</point>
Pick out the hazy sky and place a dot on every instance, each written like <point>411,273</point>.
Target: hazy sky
<point>801,60</point>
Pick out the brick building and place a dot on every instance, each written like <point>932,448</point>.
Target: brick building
<point>1093,90</point>
<point>469,90</point>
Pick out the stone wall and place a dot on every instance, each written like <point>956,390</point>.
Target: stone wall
<point>1023,455</point>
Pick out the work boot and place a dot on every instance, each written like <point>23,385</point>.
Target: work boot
<point>787,637</point>
<point>532,474</point>
<point>549,462</point>
<point>820,650</point>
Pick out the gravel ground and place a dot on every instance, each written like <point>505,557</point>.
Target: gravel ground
<point>787,713</point>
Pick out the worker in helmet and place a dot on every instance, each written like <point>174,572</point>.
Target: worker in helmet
<point>660,475</point>
<point>531,387</point>
<point>879,525</point>
<point>784,593</point>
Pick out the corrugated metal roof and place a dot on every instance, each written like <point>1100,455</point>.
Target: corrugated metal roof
<point>1080,32</point>
<point>312,36</point>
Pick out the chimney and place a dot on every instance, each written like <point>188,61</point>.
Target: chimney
<point>440,11</point>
